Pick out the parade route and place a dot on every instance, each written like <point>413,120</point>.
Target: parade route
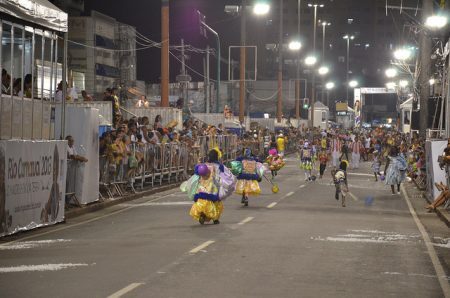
<point>299,242</point>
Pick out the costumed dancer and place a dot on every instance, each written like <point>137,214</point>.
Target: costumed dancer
<point>275,162</point>
<point>211,184</point>
<point>340,181</point>
<point>306,160</point>
<point>376,165</point>
<point>249,172</point>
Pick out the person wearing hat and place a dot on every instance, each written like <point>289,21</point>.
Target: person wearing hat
<point>340,181</point>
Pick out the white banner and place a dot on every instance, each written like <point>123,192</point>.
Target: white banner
<point>366,90</point>
<point>434,173</point>
<point>32,184</point>
<point>357,106</point>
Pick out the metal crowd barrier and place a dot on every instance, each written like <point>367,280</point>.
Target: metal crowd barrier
<point>159,163</point>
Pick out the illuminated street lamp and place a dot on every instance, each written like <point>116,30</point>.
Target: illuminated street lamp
<point>432,82</point>
<point>353,84</point>
<point>402,54</point>
<point>310,60</point>
<point>403,83</point>
<point>329,85</point>
<point>261,8</point>
<point>323,70</point>
<point>436,21</point>
<point>391,72</point>
<point>295,45</point>
<point>348,38</point>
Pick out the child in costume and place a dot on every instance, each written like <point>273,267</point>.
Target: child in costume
<point>323,160</point>
<point>340,181</point>
<point>306,160</point>
<point>275,162</point>
<point>376,164</point>
<point>249,172</point>
<point>208,187</point>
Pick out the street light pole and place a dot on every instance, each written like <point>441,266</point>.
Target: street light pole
<point>313,94</point>
<point>242,63</point>
<point>346,74</point>
<point>165,53</point>
<point>297,81</point>
<point>280,67</point>
<point>324,25</point>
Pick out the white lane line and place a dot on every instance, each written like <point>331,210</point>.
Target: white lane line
<point>43,267</point>
<point>301,186</point>
<point>158,204</point>
<point>353,196</point>
<point>80,223</point>
<point>248,219</point>
<point>289,194</point>
<point>272,205</point>
<point>125,290</point>
<point>201,246</point>
<point>430,248</point>
<point>32,244</point>
<point>359,174</point>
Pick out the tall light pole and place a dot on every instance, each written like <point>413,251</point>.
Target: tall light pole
<point>297,81</point>
<point>348,38</point>
<point>242,63</point>
<point>165,53</point>
<point>313,95</point>
<point>280,67</point>
<point>324,25</point>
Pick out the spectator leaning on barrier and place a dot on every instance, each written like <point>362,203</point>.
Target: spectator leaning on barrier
<point>71,152</point>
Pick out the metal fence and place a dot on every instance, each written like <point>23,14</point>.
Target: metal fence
<point>155,164</point>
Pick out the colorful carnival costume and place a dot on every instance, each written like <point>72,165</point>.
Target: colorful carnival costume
<point>306,160</point>
<point>249,171</point>
<point>275,162</point>
<point>208,187</point>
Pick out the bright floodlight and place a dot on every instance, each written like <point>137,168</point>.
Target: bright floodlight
<point>295,45</point>
<point>315,5</point>
<point>391,72</point>
<point>402,54</point>
<point>323,70</point>
<point>403,83</point>
<point>353,84</point>
<point>310,60</point>
<point>329,85</point>
<point>432,82</point>
<point>261,8</point>
<point>348,37</point>
<point>391,85</point>
<point>436,22</point>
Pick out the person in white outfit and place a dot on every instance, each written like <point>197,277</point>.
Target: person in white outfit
<point>356,153</point>
<point>336,150</point>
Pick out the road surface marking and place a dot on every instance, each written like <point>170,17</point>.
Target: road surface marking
<point>272,205</point>
<point>353,196</point>
<point>360,174</point>
<point>31,244</point>
<point>158,204</point>
<point>248,219</point>
<point>431,251</point>
<point>125,290</point>
<point>289,194</point>
<point>43,267</point>
<point>201,246</point>
<point>301,186</point>
<point>80,223</point>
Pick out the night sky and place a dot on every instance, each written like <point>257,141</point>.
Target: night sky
<point>146,17</point>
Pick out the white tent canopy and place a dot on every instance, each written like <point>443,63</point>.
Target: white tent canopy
<point>40,12</point>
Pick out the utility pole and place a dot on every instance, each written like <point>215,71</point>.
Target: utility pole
<point>183,78</point>
<point>313,94</point>
<point>207,87</point>
<point>242,62</point>
<point>280,67</point>
<point>164,53</point>
<point>424,76</point>
<point>297,81</point>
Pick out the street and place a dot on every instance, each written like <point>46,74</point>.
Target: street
<point>299,242</point>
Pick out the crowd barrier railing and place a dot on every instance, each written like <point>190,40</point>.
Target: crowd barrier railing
<point>156,164</point>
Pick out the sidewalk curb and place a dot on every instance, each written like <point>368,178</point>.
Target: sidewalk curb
<point>443,215</point>
<point>108,203</point>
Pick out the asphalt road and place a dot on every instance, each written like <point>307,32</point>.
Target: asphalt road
<point>297,243</point>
